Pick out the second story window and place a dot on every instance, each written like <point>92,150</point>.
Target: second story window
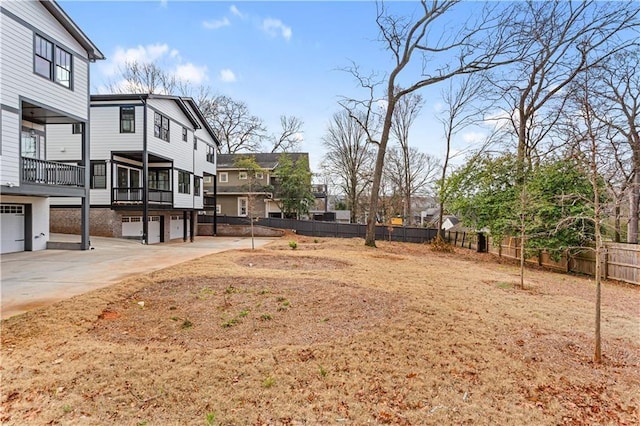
<point>223,177</point>
<point>242,175</point>
<point>44,57</point>
<point>52,62</point>
<point>127,119</point>
<point>161,127</point>
<point>184,134</point>
<point>184,183</point>
<point>211,154</point>
<point>196,186</point>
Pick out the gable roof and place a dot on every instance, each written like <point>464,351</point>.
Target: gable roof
<point>266,160</point>
<point>92,50</point>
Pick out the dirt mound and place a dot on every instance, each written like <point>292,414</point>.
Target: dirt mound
<point>293,263</point>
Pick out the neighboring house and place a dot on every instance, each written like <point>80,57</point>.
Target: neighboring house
<point>233,195</point>
<point>44,85</point>
<point>449,221</point>
<point>149,155</point>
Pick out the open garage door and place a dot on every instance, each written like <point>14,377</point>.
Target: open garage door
<point>132,227</point>
<point>12,228</point>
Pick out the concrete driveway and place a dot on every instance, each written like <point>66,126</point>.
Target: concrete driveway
<point>33,279</point>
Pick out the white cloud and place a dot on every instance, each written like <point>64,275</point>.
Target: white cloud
<point>274,26</point>
<point>234,11</point>
<point>122,56</point>
<point>191,73</point>
<point>227,76</point>
<point>473,137</point>
<point>214,24</point>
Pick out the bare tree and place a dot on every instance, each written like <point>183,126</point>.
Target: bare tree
<point>620,90</point>
<point>479,44</point>
<point>147,77</point>
<point>348,158</point>
<point>407,110</point>
<point>237,129</point>
<point>559,40</point>
<point>409,174</point>
<point>460,111</point>
<point>290,135</point>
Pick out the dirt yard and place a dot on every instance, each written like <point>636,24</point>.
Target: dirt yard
<point>332,332</point>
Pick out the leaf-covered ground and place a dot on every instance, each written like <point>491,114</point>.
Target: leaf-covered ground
<point>330,333</point>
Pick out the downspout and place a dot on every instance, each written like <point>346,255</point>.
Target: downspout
<point>145,173</point>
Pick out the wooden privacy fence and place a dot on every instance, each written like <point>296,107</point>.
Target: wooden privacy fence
<point>620,261</point>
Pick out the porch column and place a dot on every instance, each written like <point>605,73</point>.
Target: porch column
<point>145,178</point>
<point>184,226</point>
<point>193,224</point>
<point>85,243</point>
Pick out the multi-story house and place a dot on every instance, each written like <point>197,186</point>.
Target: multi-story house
<point>44,85</point>
<point>240,194</point>
<point>149,155</point>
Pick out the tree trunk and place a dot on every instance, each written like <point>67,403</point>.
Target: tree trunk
<point>370,239</point>
<point>616,222</point>
<point>634,207</point>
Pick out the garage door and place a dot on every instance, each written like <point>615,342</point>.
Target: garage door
<point>12,228</point>
<point>132,227</point>
<point>177,227</point>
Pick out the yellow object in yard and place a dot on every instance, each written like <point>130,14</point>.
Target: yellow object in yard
<point>396,221</point>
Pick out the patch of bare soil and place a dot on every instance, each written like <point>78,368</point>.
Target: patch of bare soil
<point>332,332</point>
<point>242,312</point>
<point>291,263</point>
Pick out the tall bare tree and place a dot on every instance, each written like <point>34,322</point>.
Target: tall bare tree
<point>479,44</point>
<point>460,99</point>
<point>147,77</point>
<point>290,135</point>
<point>237,129</point>
<point>559,40</point>
<point>409,173</point>
<point>348,158</point>
<point>620,89</point>
<point>407,110</point>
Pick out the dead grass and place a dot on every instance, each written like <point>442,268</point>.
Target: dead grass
<point>330,333</point>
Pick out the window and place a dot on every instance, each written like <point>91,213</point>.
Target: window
<point>159,179</point>
<point>242,175</point>
<point>184,134</point>
<point>52,62</point>
<point>196,185</point>
<point>242,206</point>
<point>218,209</point>
<point>184,182</point>
<point>211,154</point>
<point>76,128</point>
<point>44,57</point>
<point>98,175</point>
<point>259,175</point>
<point>223,177</point>
<point>161,127</point>
<point>195,142</point>
<point>127,119</point>
<point>63,67</point>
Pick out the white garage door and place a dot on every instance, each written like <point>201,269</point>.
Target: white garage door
<point>12,228</point>
<point>132,227</point>
<point>177,227</point>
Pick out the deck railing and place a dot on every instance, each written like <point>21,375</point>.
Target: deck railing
<point>131,195</point>
<point>51,173</point>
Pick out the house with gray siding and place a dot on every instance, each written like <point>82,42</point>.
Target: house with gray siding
<point>150,154</point>
<point>44,85</point>
<point>232,189</point>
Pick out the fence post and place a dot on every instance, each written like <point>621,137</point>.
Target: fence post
<point>455,241</point>
<point>464,234</point>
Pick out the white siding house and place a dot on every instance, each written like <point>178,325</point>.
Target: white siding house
<point>149,155</point>
<point>44,86</point>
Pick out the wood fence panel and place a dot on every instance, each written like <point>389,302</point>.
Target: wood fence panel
<point>623,262</point>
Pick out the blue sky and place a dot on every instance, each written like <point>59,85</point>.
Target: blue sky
<point>278,57</point>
